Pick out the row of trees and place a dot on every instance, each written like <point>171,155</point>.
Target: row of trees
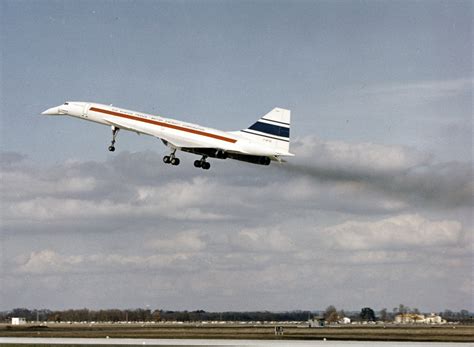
<point>147,315</point>
<point>330,315</point>
<point>83,315</point>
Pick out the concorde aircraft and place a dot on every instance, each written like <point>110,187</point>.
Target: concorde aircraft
<point>266,140</point>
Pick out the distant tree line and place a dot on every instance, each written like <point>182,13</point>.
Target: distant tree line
<point>147,315</point>
<point>330,315</point>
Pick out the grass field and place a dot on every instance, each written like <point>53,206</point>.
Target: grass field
<point>446,333</point>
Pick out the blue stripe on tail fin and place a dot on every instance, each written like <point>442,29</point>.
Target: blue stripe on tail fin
<point>273,129</point>
<point>275,124</point>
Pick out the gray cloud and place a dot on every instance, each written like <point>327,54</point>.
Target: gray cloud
<point>188,241</point>
<point>399,232</point>
<point>8,158</point>
<point>252,236</point>
<point>419,91</point>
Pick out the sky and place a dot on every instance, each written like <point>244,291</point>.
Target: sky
<point>374,210</point>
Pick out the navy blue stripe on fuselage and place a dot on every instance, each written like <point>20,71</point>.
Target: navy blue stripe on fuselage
<point>271,129</point>
<point>270,137</point>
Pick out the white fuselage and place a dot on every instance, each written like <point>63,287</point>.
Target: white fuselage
<point>182,133</point>
<point>265,141</point>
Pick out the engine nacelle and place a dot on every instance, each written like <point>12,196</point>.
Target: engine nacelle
<point>264,160</point>
<point>254,159</point>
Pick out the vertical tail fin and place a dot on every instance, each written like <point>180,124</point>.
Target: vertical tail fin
<point>273,129</point>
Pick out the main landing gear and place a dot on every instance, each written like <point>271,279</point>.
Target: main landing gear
<point>202,163</point>
<point>171,159</point>
<point>115,131</point>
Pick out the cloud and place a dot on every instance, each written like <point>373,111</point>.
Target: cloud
<point>78,191</point>
<point>8,158</point>
<point>356,178</point>
<point>399,232</point>
<point>49,261</point>
<point>337,216</point>
<point>263,240</point>
<point>183,242</point>
<point>420,90</point>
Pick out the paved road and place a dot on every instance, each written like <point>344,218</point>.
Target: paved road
<point>234,343</point>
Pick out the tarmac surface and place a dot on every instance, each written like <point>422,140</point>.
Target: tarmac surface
<point>74,335</point>
<point>202,342</point>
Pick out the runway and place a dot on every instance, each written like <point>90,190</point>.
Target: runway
<point>215,343</point>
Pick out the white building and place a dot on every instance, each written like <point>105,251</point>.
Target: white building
<point>419,318</point>
<point>345,320</point>
<point>316,322</point>
<point>434,319</point>
<point>409,318</point>
<point>18,320</point>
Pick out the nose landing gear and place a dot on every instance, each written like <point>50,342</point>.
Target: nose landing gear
<point>115,131</point>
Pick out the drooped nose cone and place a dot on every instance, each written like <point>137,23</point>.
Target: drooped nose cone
<point>54,111</point>
<point>51,111</point>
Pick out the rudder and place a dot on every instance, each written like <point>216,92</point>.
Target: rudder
<point>275,125</point>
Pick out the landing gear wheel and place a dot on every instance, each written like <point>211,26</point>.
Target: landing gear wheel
<point>202,163</point>
<point>111,148</point>
<point>166,159</point>
<point>175,161</point>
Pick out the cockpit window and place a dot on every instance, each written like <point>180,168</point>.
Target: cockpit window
<point>66,103</point>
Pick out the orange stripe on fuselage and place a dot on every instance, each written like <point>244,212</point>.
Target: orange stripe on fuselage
<point>171,126</point>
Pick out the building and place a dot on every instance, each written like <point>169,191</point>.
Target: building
<point>434,319</point>
<point>408,318</point>
<point>344,320</point>
<point>18,320</point>
<point>316,322</point>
